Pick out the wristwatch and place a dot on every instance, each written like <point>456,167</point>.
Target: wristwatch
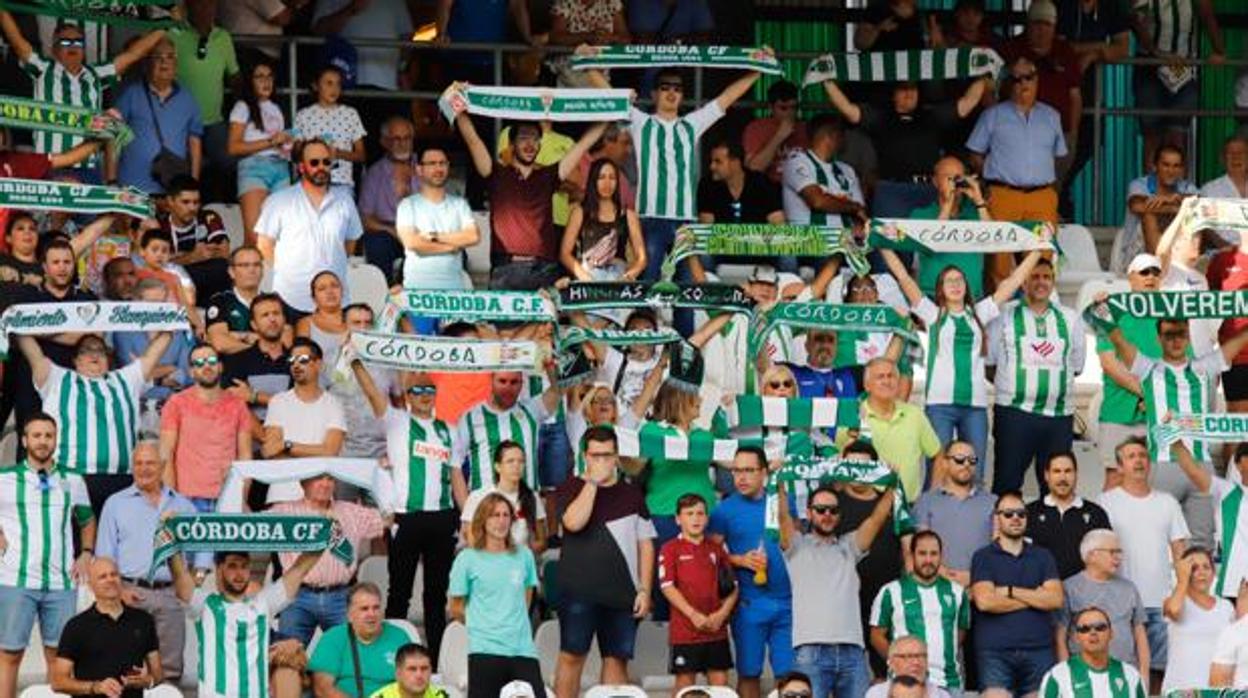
<point>433,236</point>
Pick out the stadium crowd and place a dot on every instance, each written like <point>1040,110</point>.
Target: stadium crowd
<point>519,497</point>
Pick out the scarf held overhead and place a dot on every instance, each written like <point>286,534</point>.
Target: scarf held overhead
<point>107,316</point>
<point>819,470</point>
<point>249,533</point>
<point>916,65</point>
<point>361,472</point>
<point>415,353</point>
<point>593,296</point>
<point>931,236</point>
<point>535,103</point>
<point>636,56</point>
<point>752,240</point>
<point>119,13</point>
<point>1105,315</point>
<point>474,306</point>
<point>30,115</point>
<point>42,195</point>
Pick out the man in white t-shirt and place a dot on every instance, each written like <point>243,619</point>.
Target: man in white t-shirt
<point>1233,184</point>
<point>1151,531</point>
<point>305,421</point>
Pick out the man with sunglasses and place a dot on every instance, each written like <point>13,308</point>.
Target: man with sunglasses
<point>68,80</point>
<point>828,642</point>
<point>423,455</point>
<point>957,508</point>
<point>1093,673</point>
<point>203,429</point>
<point>1100,585</point>
<point>305,421</point>
<point>1015,588</point>
<point>43,503</point>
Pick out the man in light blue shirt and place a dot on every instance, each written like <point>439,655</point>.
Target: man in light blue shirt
<point>162,115</point>
<point>434,226</point>
<point>126,532</point>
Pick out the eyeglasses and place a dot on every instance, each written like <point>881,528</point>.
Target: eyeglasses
<point>1012,513</point>
<point>911,656</point>
<point>71,43</point>
<point>603,400</point>
<point>419,390</point>
<point>300,360</point>
<point>1023,77</point>
<point>671,86</point>
<point>205,361</point>
<point>776,385</point>
<point>1111,551</point>
<point>1085,628</point>
<point>1151,271</point>
<point>318,162</point>
<point>826,509</point>
<point>795,694</point>
<point>964,460</point>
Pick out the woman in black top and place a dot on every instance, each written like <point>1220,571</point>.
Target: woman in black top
<point>600,233</point>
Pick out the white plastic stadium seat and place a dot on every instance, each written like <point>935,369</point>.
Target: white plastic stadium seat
<point>374,569</point>
<point>1079,263</point>
<point>40,690</point>
<point>1089,289</point>
<point>406,626</point>
<point>165,690</point>
<point>232,217</point>
<point>366,284</point>
<point>547,641</point>
<point>453,656</point>
<point>616,691</point>
<point>712,691</point>
<point>649,665</point>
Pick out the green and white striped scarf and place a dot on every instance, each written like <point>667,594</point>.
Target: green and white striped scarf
<point>469,306</point>
<point>1211,428</point>
<point>931,236</point>
<point>817,469</point>
<point>1203,213</point>
<point>249,533</point>
<point>594,296</point>
<point>639,56</point>
<point>793,413</point>
<point>30,115</point>
<point>836,317</point>
<point>571,337</point>
<point>118,13</point>
<point>915,65</point>
<point>44,195</point>
<point>92,317</point>
<point>1104,316</point>
<point>535,103</point>
<point>447,354</point>
<point>750,240</point>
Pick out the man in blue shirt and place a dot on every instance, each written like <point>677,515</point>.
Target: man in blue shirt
<point>818,377</point>
<point>765,610</point>
<point>164,116</point>
<point>126,532</point>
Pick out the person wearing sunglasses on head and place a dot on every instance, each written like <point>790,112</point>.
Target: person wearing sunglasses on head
<point>828,643</point>
<point>203,429</point>
<point>1015,588</point>
<point>423,455</point>
<point>1093,672</point>
<point>958,508</point>
<point>1100,583</point>
<point>1153,199</point>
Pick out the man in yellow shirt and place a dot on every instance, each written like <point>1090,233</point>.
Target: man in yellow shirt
<point>412,670</point>
<point>900,431</point>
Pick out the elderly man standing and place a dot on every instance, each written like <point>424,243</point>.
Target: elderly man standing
<point>110,648</point>
<point>1100,585</point>
<point>1093,672</point>
<point>127,528</point>
<point>37,538</point>
<point>1015,145</point>
<point>359,654</point>
<point>899,430</point>
<point>166,123</point>
<point>387,182</point>
<point>307,228</point>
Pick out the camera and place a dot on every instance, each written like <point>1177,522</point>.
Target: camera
<point>961,182</point>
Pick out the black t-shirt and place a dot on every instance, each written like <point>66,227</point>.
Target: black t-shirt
<point>102,648</point>
<point>227,307</point>
<point>760,197</point>
<point>1108,18</point>
<point>594,562</point>
<point>14,270</point>
<point>908,34</point>
<point>262,372</point>
<point>908,145</point>
<point>208,227</point>
<point>1061,534</point>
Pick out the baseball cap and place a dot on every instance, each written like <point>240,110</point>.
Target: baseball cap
<point>1042,11</point>
<point>764,274</point>
<point>1143,261</point>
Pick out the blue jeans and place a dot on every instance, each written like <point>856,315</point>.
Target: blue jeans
<point>1016,670</point>
<point>20,608</point>
<point>840,668</point>
<point>312,609</point>
<point>659,234</point>
<point>554,454</point>
<point>204,505</point>
<point>971,424</point>
<point>1158,639</point>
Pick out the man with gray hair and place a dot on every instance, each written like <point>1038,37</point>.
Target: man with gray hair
<point>1100,585</point>
<point>907,656</point>
<point>338,668</point>
<point>126,533</point>
<point>387,182</point>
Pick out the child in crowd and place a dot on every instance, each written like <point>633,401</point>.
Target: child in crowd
<point>155,249</point>
<point>337,124</point>
<point>690,569</point>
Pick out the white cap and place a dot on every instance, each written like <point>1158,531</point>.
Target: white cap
<point>1241,91</point>
<point>1143,261</point>
<point>764,274</point>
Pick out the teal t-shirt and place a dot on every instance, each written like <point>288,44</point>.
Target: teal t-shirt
<point>497,607</point>
<point>1119,405</point>
<point>333,656</point>
<point>930,265</point>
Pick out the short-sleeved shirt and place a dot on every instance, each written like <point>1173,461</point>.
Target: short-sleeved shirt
<point>340,126</point>
<point>825,582</point>
<point>1020,149</point>
<point>207,227</point>
<point>521,526</point>
<point>35,518</point>
<point>1119,405</point>
<point>56,85</point>
<point>207,439</point>
<point>818,382</point>
<point>759,199</point>
<point>308,240</point>
<point>97,418</point>
<point>934,612</point>
<point>740,520</point>
<point>272,122</point>
<point>234,641</point>
<point>359,524</point>
<point>1026,628</point>
<point>1132,233</point>
<point>304,422</point>
<point>599,563</point>
<point>102,647</point>
<point>450,215</point>
<point>333,656</point>
<point>758,134</point>
<point>956,355</point>
<point>179,118</point>
<point>483,427</point>
<point>1146,526</point>
<point>378,196</point>
<point>204,71</point>
<point>1058,72</point>
<point>803,169</point>
<point>495,586</point>
<point>964,525</point>
<point>1061,532</point>
<point>667,160</point>
<point>260,371</point>
<point>1037,356</point>
<point>522,212</point>
<point>1232,650</point>
<point>1186,388</point>
<point>908,145</point>
<point>931,265</point>
<point>1075,678</point>
<point>693,569</point>
<point>671,479</point>
<point>903,440</point>
<point>1118,598</point>
<point>227,307</point>
<point>421,454</point>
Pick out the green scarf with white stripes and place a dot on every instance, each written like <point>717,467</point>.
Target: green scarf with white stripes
<point>249,533</point>
<point>1105,315</point>
<point>817,469</point>
<point>913,65</point>
<point>30,115</point>
<point>641,56</point>
<point>750,240</point>
<point>1224,428</point>
<point>114,13</point>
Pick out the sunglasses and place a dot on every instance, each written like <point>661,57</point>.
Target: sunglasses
<point>1012,513</point>
<point>422,390</point>
<point>1024,77</point>
<point>1151,271</point>
<point>301,360</point>
<point>318,162</point>
<point>671,86</point>
<point>71,43</point>
<point>44,485</point>
<point>964,460</point>
<point>863,288</point>
<point>1085,628</point>
<point>776,385</point>
<point>827,509</point>
<point>795,694</point>
<point>205,361</point>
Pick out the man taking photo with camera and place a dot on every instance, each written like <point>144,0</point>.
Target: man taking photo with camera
<point>958,198</point>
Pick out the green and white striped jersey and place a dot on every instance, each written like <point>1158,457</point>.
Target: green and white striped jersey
<point>955,353</point>
<point>1037,357</point>
<point>483,428</point>
<point>1172,24</point>
<point>668,162</point>
<point>35,514</point>
<point>934,612</point>
<point>97,418</point>
<point>54,84</point>
<point>1232,538</point>
<point>422,453</point>
<point>1184,388</point>
<point>1073,678</point>
<point>803,169</point>
<point>234,641</point>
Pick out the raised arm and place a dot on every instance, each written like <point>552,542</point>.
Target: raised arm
<point>481,158</point>
<point>971,98</point>
<point>1201,479</point>
<point>865,535</point>
<point>1172,607</point>
<point>897,268</point>
<point>137,50</point>
<point>572,159</point>
<point>851,111</point>
<point>155,349</point>
<point>293,577</point>
<point>367,386</point>
<point>183,580</point>
<point>1006,289</point>
<point>21,47</point>
<point>40,366</point>
<point>1234,345</point>
<point>74,155</point>
<point>825,277</point>
<point>92,232</point>
<point>737,89</point>
<point>788,527</point>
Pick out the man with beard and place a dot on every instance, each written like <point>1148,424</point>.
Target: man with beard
<point>308,228</point>
<point>126,533</point>
<point>120,278</point>
<point>260,371</point>
<point>1060,519</point>
<point>228,316</point>
<point>36,535</point>
<point>940,621</point>
<point>305,421</point>
<point>203,429</point>
<point>434,225</point>
<point>1037,346</point>
<point>959,510</point>
<point>524,245</point>
<point>234,631</point>
<point>502,417</point>
<point>200,242</point>
<point>1015,587</point>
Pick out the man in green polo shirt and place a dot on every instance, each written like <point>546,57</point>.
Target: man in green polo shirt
<point>357,658</point>
<point>900,431</point>
<point>958,197</point>
<point>206,61</point>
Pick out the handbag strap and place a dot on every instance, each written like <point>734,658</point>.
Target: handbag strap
<point>355,660</point>
<point>160,138</point>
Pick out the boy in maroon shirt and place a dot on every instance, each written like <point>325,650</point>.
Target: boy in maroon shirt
<point>690,566</point>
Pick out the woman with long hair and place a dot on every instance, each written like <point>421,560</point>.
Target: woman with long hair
<point>955,392</point>
<point>326,325</point>
<point>529,522</point>
<point>1194,619</point>
<point>601,233</point>
<point>258,136</point>
<point>491,587</point>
